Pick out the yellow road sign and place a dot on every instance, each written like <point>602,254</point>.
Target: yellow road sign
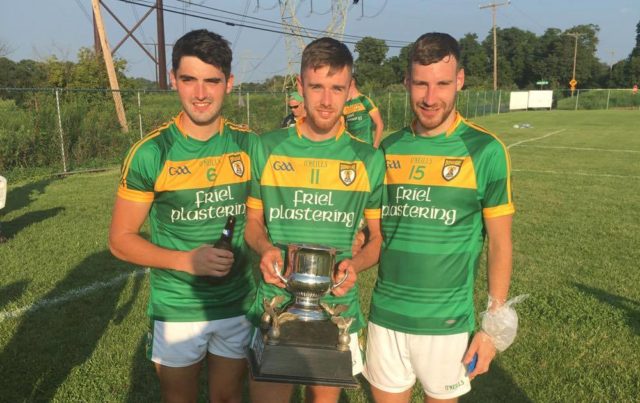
<point>573,82</point>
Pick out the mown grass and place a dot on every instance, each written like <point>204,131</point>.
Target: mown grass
<point>576,237</point>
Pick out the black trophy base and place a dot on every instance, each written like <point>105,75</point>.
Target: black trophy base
<point>305,353</point>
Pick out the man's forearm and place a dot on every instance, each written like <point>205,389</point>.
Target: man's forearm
<point>256,236</point>
<point>135,249</point>
<point>369,254</point>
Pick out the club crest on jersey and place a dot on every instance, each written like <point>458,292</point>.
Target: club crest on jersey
<point>236,164</point>
<point>451,168</point>
<point>347,173</point>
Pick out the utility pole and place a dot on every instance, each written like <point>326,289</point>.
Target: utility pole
<point>495,41</point>
<point>573,81</point>
<point>162,58</point>
<point>111,71</point>
<point>161,64</point>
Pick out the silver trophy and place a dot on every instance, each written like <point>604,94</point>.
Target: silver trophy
<point>307,342</point>
<point>311,267</point>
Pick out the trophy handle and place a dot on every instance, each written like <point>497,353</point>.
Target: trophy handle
<point>276,269</point>
<point>339,283</point>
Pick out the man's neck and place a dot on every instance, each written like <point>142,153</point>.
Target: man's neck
<point>313,133</point>
<point>200,132</point>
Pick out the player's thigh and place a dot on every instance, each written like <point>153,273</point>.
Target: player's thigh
<point>322,394</point>
<point>178,384</point>
<point>387,364</point>
<point>226,377</point>
<point>229,337</point>
<point>437,363</point>
<point>270,392</point>
<point>177,344</point>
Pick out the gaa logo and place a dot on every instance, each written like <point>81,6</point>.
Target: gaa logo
<point>393,164</point>
<point>283,166</point>
<point>183,170</point>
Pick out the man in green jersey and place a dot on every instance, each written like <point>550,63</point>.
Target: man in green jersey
<point>363,117</point>
<point>447,187</point>
<point>315,182</point>
<point>295,102</point>
<point>187,177</point>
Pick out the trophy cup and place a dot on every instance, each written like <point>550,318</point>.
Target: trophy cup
<point>308,342</point>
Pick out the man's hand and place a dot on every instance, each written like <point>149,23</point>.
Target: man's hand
<point>345,268</point>
<point>270,258</point>
<point>209,261</point>
<point>483,346</point>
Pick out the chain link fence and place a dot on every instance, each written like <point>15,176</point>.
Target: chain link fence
<point>61,130</point>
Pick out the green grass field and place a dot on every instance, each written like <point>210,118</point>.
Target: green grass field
<point>72,317</point>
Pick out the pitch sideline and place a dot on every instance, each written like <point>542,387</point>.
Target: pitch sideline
<point>73,294</point>
<point>535,138</point>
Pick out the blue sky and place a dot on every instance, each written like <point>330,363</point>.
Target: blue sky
<point>38,29</point>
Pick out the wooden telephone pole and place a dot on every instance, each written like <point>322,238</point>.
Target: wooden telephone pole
<point>495,42</point>
<point>111,71</point>
<point>574,82</point>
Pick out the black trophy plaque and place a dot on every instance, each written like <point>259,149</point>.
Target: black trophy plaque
<point>305,353</point>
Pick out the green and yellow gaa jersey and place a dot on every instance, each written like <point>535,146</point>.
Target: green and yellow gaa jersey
<point>193,186</point>
<point>356,115</point>
<point>316,193</point>
<point>438,190</point>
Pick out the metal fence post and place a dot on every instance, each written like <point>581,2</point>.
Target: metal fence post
<point>608,96</point>
<point>64,161</point>
<point>389,107</point>
<point>468,95</point>
<point>577,96</point>
<point>248,114</point>
<point>139,115</point>
<point>499,100</point>
<point>484,104</point>
<point>406,100</point>
<point>475,109</point>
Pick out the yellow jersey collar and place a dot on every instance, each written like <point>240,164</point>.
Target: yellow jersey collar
<point>178,119</point>
<point>447,132</point>
<point>341,130</point>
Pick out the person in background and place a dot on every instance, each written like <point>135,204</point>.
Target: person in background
<point>295,103</point>
<point>448,187</point>
<point>363,117</point>
<point>187,177</point>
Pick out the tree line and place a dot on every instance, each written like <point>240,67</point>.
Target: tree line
<point>524,59</point>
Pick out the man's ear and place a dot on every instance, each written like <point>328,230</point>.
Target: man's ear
<point>299,85</point>
<point>229,84</point>
<point>460,79</point>
<point>172,79</point>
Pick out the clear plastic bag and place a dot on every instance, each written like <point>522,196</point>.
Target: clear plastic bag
<point>502,324</point>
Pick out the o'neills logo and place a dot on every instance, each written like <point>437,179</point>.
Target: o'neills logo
<point>347,173</point>
<point>236,164</point>
<point>451,168</point>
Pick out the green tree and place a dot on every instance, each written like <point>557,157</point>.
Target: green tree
<point>371,50</point>
<point>475,62</point>
<point>371,68</point>
<point>91,72</point>
<point>399,64</point>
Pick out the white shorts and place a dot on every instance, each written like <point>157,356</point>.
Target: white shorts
<point>394,360</point>
<point>180,344</point>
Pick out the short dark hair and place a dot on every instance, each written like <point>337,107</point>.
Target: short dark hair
<point>207,46</point>
<point>432,47</point>
<point>326,52</point>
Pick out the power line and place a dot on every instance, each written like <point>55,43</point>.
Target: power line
<point>278,23</point>
<point>274,28</point>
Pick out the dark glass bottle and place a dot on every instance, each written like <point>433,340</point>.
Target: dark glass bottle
<point>226,239</point>
<point>224,242</point>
